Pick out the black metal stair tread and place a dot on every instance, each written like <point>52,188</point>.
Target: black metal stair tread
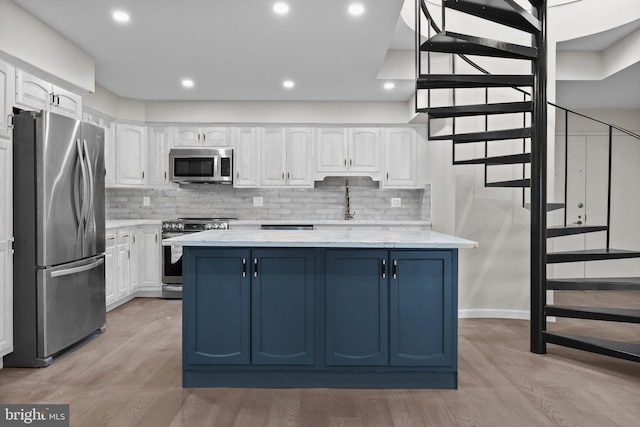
<point>450,42</point>
<point>621,350</point>
<point>550,206</point>
<point>497,160</point>
<point>590,255</point>
<point>562,230</point>
<point>477,110</point>
<point>595,283</point>
<point>506,12</point>
<point>627,315</point>
<point>450,81</point>
<point>510,184</point>
<point>492,135</point>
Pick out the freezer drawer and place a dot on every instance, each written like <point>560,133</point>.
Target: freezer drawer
<point>71,304</point>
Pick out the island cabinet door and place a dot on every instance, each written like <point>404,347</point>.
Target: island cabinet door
<point>283,315</point>
<point>356,313</point>
<point>216,306</point>
<point>423,308</point>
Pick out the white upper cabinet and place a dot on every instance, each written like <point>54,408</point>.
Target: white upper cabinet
<point>400,158</point>
<point>130,154</point>
<point>7,91</point>
<point>203,137</point>
<point>286,157</point>
<point>37,94</point>
<point>348,152</point>
<point>159,146</point>
<point>246,158</point>
<point>332,150</point>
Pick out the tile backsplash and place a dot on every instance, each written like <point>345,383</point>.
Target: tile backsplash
<point>324,202</point>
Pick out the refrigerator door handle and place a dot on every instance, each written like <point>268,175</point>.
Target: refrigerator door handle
<point>90,185</point>
<point>83,168</point>
<point>77,199</point>
<point>75,270</point>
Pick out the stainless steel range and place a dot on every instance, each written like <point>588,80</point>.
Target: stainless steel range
<point>172,255</point>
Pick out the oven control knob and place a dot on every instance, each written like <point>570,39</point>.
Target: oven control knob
<point>223,226</point>
<point>209,226</point>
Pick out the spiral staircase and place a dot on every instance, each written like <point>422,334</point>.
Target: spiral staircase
<point>533,134</point>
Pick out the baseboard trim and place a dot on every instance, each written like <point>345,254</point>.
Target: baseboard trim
<point>481,313</point>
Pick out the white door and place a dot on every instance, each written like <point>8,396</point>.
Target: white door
<point>67,103</point>
<point>110,269</point>
<point>364,144</point>
<point>134,259</point>
<point>400,158</point>
<point>298,155</point>
<point>130,154</point>
<point>246,158</point>
<point>216,137</point>
<point>332,150</point>
<point>273,156</point>
<point>188,137</point>
<point>6,249</point>
<point>6,209</point>
<point>7,79</point>
<point>158,156</point>
<point>150,264</point>
<point>32,92</point>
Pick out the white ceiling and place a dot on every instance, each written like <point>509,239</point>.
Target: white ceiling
<point>242,50</point>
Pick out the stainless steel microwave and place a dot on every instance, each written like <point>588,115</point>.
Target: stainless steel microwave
<point>201,165</point>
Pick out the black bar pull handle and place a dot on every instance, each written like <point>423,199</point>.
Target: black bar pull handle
<point>255,267</point>
<point>244,267</point>
<point>394,269</point>
<point>383,267</point>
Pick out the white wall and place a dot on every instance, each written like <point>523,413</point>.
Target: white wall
<point>30,44</point>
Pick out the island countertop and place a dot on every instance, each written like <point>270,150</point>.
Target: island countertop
<point>321,239</point>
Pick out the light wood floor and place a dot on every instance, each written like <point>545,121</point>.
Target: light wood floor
<point>130,376</point>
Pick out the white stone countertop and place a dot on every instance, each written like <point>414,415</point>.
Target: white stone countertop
<point>355,222</point>
<point>118,223</point>
<point>321,239</point>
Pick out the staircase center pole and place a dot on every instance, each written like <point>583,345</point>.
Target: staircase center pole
<point>539,187</point>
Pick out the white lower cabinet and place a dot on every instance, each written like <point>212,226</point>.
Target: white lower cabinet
<point>110,268</point>
<point>6,249</point>
<point>150,259</point>
<point>132,263</point>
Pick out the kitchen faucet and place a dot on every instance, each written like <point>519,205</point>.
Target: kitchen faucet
<point>347,209</point>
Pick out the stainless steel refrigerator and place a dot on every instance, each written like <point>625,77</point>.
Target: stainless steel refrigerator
<point>59,214</point>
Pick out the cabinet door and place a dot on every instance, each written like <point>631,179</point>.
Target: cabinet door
<point>400,158</point>
<point>283,307</point>
<point>130,154</point>
<point>110,269</point>
<point>66,103</point>
<point>216,136</point>
<point>187,137</point>
<point>109,151</point>
<point>356,307</point>
<point>150,264</point>
<point>298,157</point>
<point>134,260</point>
<point>423,308</point>
<point>123,270</point>
<point>246,158</point>
<point>6,249</point>
<point>332,150</point>
<point>216,301</point>
<point>273,154</point>
<point>32,92</point>
<point>158,156</point>
<point>7,93</point>
<point>364,145</point>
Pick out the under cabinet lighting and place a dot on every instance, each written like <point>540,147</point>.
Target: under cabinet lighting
<point>187,83</point>
<point>356,9</point>
<point>281,8</point>
<point>121,16</point>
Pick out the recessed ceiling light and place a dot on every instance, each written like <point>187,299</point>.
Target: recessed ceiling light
<point>187,83</point>
<point>281,8</point>
<point>288,84</point>
<point>356,9</point>
<point>121,16</point>
<point>389,85</point>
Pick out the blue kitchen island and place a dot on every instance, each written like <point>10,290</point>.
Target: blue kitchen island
<point>320,308</point>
